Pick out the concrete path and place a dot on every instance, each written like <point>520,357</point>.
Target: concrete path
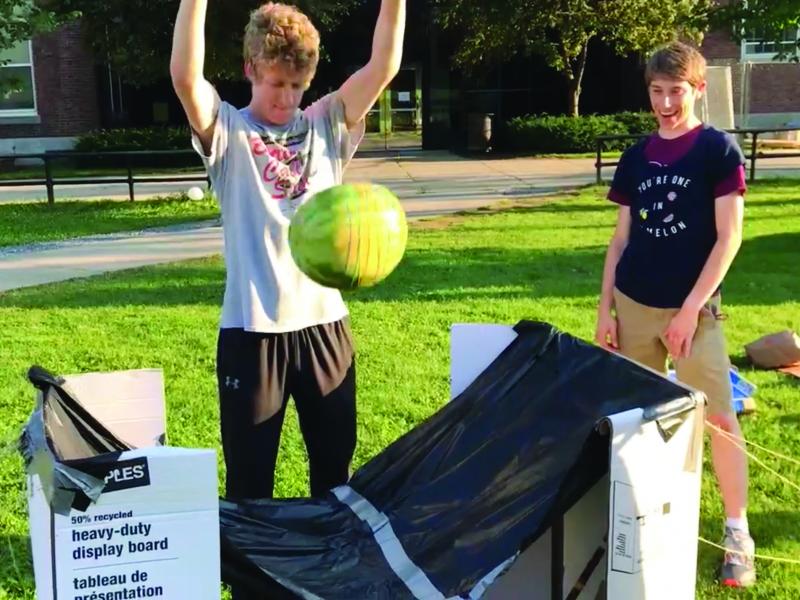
<point>427,183</point>
<point>434,177</point>
<point>85,257</point>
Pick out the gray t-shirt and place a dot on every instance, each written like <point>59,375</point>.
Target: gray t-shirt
<point>261,174</point>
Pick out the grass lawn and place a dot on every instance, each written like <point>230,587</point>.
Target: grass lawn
<point>25,223</point>
<point>539,261</point>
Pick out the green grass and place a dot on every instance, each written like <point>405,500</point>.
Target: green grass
<point>541,261</point>
<point>26,223</point>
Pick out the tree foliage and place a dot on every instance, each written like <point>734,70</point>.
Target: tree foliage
<point>20,20</point>
<point>135,36</point>
<point>560,30</point>
<point>772,20</point>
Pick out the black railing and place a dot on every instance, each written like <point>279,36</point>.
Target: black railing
<point>752,157</point>
<point>50,182</point>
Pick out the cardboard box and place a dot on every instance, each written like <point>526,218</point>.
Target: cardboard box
<point>634,534</point>
<point>154,530</point>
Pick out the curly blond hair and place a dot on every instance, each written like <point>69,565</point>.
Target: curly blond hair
<point>280,33</point>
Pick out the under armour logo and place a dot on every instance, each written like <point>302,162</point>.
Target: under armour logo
<point>231,383</point>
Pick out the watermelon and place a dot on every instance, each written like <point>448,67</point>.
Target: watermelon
<point>349,236</point>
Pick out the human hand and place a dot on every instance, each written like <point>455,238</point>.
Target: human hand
<point>680,333</point>
<point>606,334</point>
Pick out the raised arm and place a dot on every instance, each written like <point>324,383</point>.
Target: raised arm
<point>362,89</point>
<point>198,97</point>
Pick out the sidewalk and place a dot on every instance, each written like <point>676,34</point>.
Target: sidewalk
<point>432,176</point>
<point>428,183</point>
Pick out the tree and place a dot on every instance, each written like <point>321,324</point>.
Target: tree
<point>20,20</point>
<point>773,20</point>
<point>135,36</point>
<point>560,30</point>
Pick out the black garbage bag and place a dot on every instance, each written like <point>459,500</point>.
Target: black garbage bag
<point>58,441</point>
<point>452,503</point>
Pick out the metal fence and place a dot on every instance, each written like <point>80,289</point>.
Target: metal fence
<point>126,158</point>
<point>752,157</point>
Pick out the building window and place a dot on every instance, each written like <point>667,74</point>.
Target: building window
<point>17,90</point>
<point>755,47</point>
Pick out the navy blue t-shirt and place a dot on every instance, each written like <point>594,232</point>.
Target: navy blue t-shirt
<point>673,224</point>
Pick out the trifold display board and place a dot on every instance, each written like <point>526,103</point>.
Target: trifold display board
<point>558,470</point>
<point>113,519</point>
<point>634,534</point>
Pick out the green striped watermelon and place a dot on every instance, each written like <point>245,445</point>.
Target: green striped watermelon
<point>349,236</point>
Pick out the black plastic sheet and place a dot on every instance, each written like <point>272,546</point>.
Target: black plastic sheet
<point>460,494</point>
<point>61,444</point>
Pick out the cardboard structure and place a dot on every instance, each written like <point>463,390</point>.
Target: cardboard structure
<point>631,536</point>
<point>557,470</point>
<point>137,521</point>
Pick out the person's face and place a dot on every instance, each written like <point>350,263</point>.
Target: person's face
<point>673,103</point>
<point>277,91</point>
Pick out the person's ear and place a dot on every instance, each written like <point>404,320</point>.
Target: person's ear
<point>701,88</point>
<point>249,70</point>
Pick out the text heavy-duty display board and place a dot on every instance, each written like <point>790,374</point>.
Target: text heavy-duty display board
<point>154,530</point>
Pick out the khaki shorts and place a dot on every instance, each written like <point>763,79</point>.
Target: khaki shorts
<point>640,331</point>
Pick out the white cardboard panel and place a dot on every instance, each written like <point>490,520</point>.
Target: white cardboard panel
<point>155,529</point>
<point>645,513</point>
<point>130,403</point>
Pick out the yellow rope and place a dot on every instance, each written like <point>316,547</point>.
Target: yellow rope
<point>740,443</point>
<point>732,439</point>
<point>749,443</point>
<point>758,556</point>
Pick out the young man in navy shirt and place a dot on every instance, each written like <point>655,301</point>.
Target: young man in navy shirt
<point>681,201</point>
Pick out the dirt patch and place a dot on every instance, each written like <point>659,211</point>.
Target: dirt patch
<point>449,220</point>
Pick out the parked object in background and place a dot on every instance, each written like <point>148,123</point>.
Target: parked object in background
<point>779,351</point>
<point>742,390</point>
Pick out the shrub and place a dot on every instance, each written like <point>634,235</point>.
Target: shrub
<point>144,139</point>
<point>543,134</point>
<point>150,138</point>
<point>559,134</point>
<point>637,122</point>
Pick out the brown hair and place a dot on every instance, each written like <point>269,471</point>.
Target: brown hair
<point>676,61</point>
<point>279,33</point>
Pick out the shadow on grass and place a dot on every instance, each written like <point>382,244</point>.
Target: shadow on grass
<point>194,283</point>
<point>489,274</point>
<point>793,419</point>
<point>765,273</point>
<point>17,569</point>
<point>773,526</point>
<point>774,202</point>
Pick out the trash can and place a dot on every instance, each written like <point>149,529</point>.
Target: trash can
<point>479,132</point>
<point>793,136</point>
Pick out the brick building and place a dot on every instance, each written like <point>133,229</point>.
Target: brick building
<point>59,93</point>
<point>67,92</point>
<point>766,92</point>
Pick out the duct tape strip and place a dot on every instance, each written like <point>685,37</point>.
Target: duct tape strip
<point>415,579</point>
<point>484,584</point>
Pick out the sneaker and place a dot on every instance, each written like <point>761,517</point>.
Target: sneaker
<point>738,567</point>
